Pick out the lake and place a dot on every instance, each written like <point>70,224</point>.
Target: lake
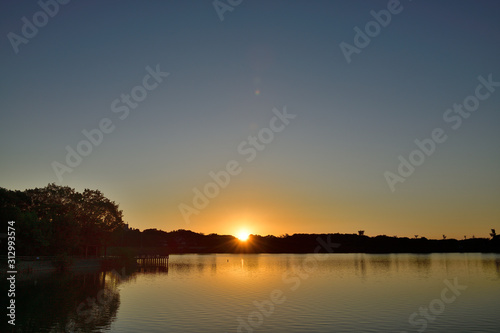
<point>272,293</point>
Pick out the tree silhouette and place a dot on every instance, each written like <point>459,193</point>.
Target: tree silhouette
<point>57,219</point>
<point>361,232</point>
<point>493,233</point>
<point>98,217</point>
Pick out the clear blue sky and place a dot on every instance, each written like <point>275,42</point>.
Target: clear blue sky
<point>324,172</point>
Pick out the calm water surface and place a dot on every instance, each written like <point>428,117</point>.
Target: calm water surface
<point>273,293</point>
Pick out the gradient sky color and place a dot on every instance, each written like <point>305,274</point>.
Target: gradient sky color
<point>323,173</point>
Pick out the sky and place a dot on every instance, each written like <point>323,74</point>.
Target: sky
<point>305,112</point>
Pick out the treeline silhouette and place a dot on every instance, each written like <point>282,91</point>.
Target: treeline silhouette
<point>58,219</point>
<point>186,241</point>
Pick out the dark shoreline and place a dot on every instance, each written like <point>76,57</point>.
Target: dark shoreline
<point>186,241</point>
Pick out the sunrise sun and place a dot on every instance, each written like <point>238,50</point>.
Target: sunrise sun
<point>243,235</point>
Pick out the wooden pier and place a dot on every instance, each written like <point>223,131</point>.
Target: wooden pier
<point>153,260</point>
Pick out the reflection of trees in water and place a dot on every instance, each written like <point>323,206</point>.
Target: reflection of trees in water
<point>68,302</point>
<point>491,265</point>
<point>384,263</point>
<point>180,267</point>
<point>360,264</point>
<point>380,263</point>
<point>94,313</point>
<point>188,265</point>
<point>420,262</point>
<point>251,262</point>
